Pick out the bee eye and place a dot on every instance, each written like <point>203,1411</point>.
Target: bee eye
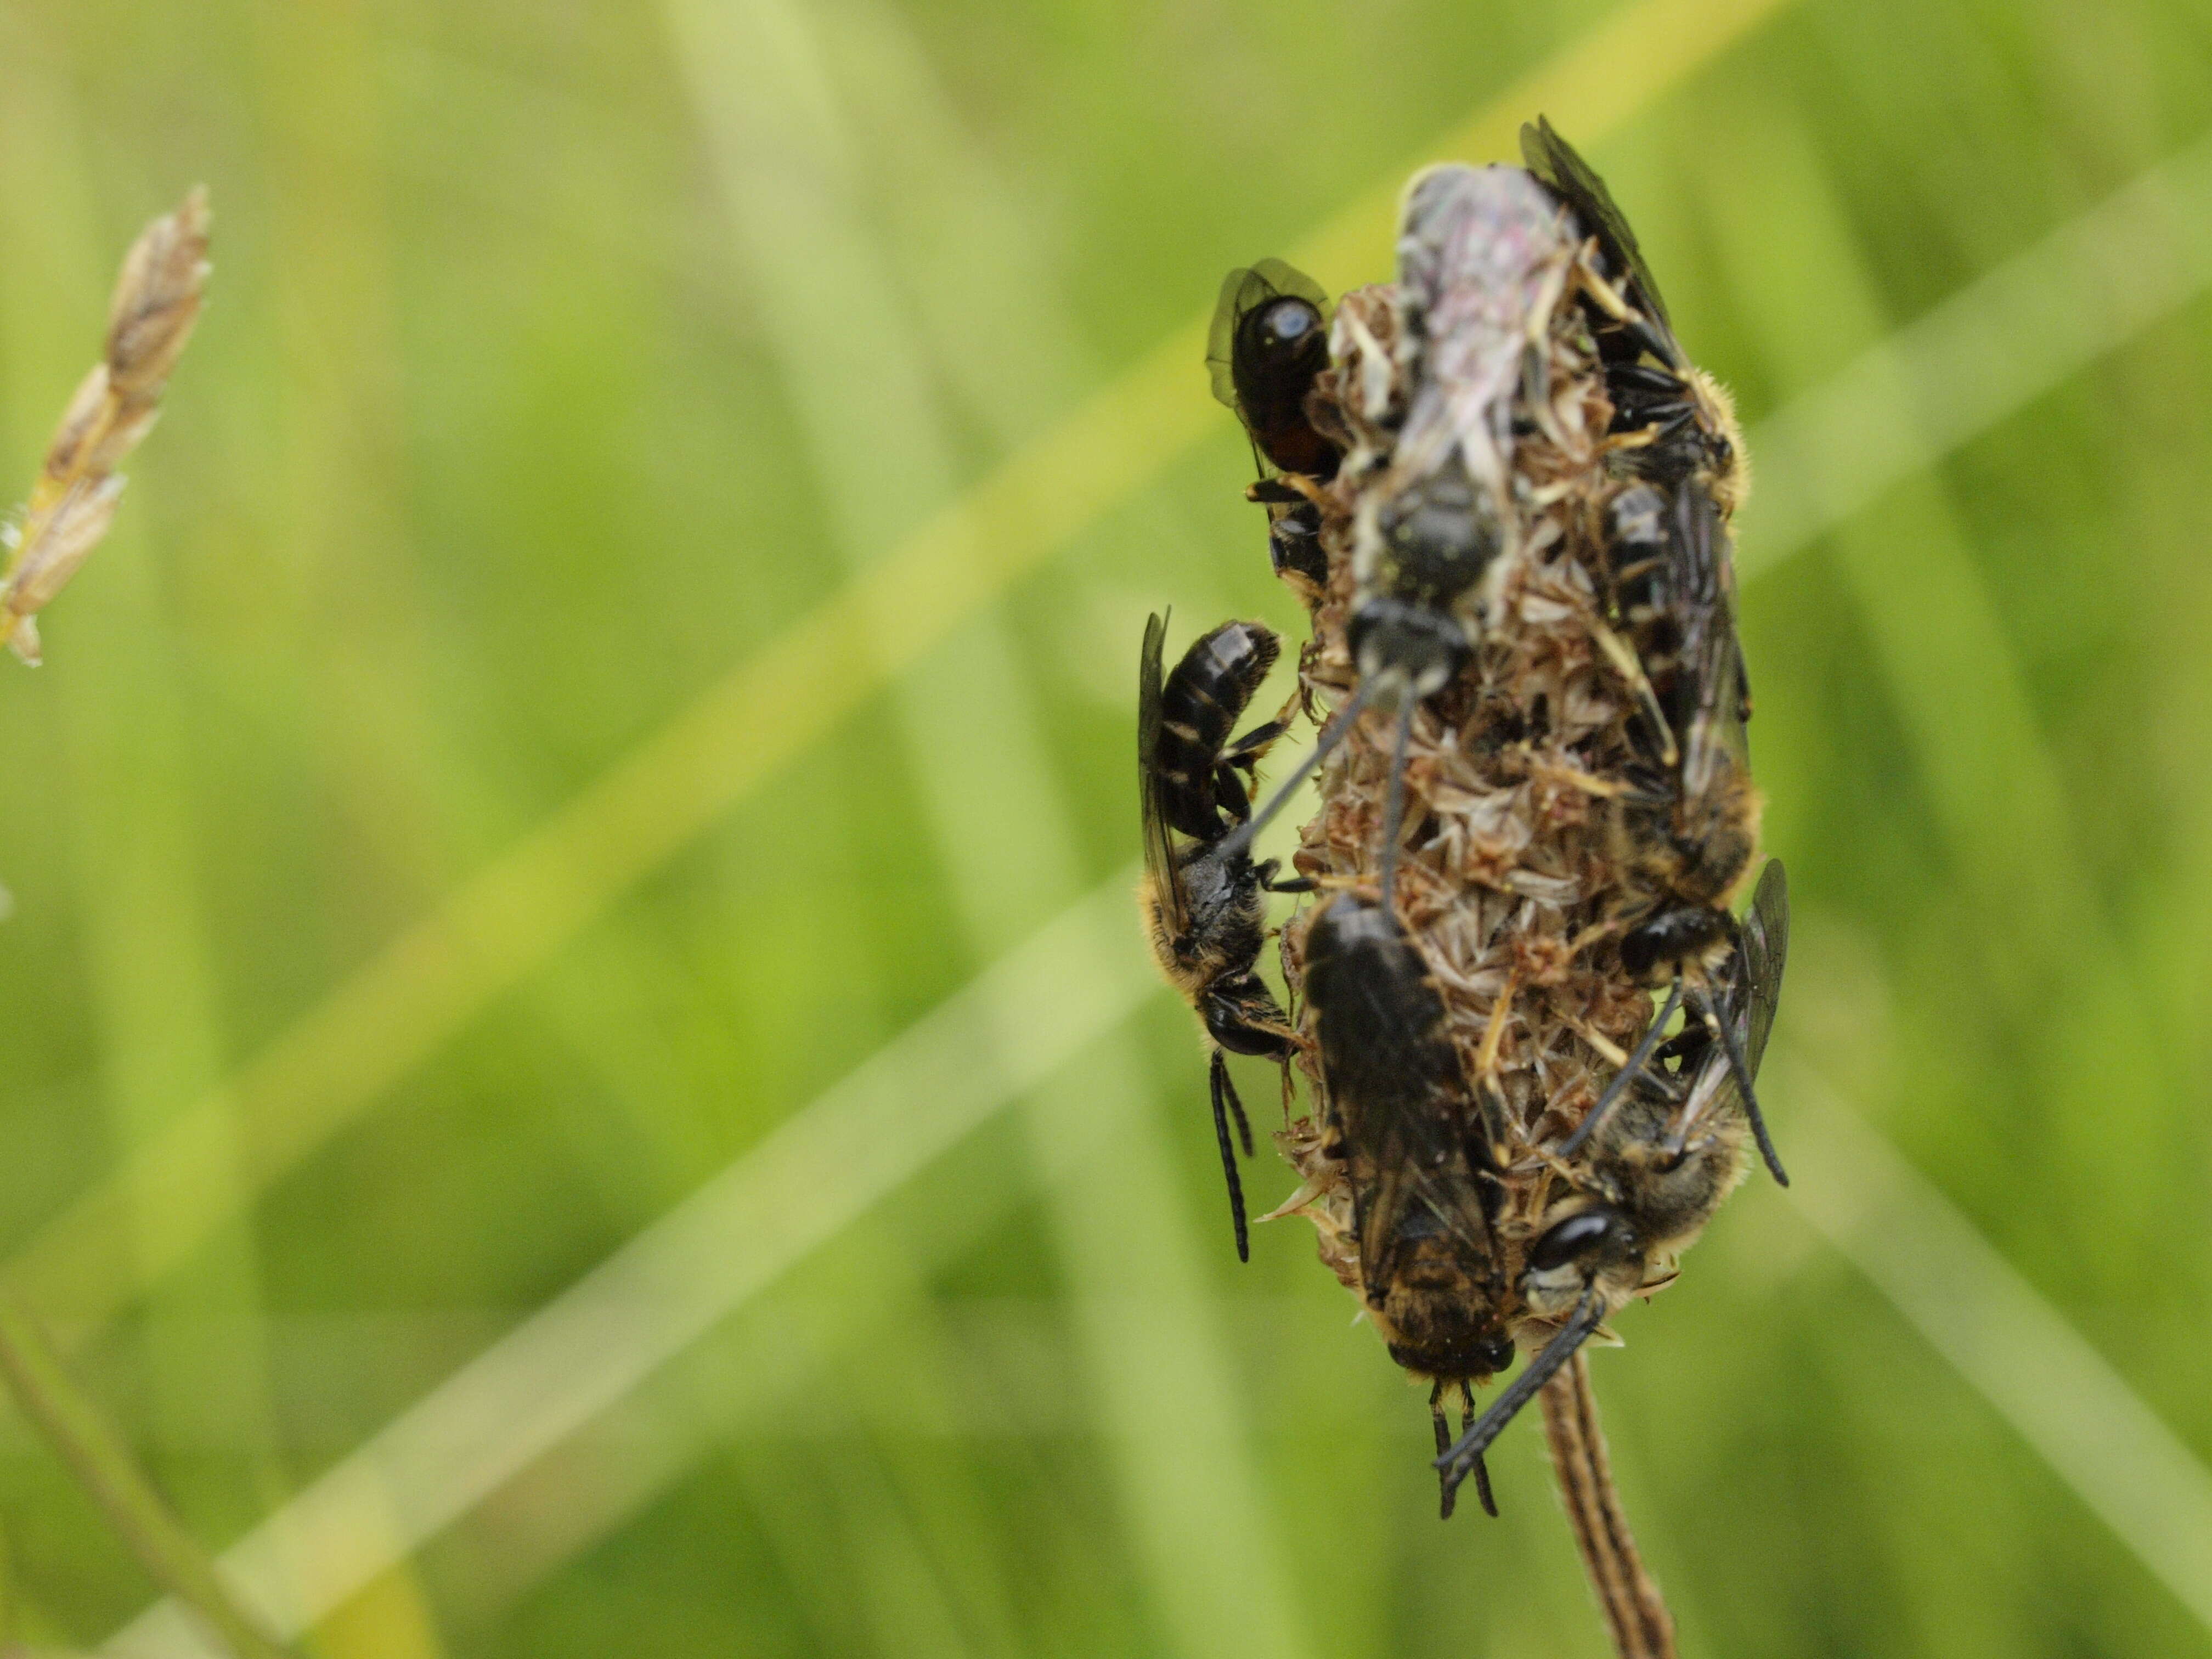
<point>1496,1354</point>
<point>1577,1235</point>
<point>1286,324</point>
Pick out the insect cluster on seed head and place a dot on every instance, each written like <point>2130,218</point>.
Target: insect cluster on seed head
<point>1504,494</point>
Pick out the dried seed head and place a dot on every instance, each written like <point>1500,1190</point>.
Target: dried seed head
<point>83,427</point>
<point>156,304</point>
<point>157,301</point>
<point>1510,879</point>
<point>46,561</point>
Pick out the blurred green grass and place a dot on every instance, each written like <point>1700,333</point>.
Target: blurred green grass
<point>555,367</point>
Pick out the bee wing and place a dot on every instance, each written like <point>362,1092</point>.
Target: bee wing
<point>1413,1124</point>
<point>1243,291</point>
<point>1765,949</point>
<point>1164,873</point>
<point>1410,1173</point>
<point>1710,702</point>
<point>1552,159</point>
<point>1754,991</point>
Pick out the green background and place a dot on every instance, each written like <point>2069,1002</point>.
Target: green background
<point>563,358</point>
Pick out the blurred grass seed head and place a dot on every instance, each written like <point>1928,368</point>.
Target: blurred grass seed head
<point>156,307</point>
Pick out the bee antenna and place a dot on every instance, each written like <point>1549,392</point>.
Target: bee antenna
<point>1394,811</point>
<point>1224,1095</point>
<point>1726,1032</point>
<point>1437,1422</point>
<point>1464,1455</point>
<point>1444,1442</point>
<point>1623,1078</point>
<point>1481,1469</point>
<point>1239,841</point>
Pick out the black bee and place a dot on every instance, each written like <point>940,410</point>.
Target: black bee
<point>1479,252</point>
<point>1417,1157</point>
<point>1269,343</point>
<point>1660,1164</point>
<point>1205,906</point>
<point>1683,419</point>
<point>1689,832</point>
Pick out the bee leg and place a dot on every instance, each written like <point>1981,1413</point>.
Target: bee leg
<point>1224,1099</point>
<point>1464,1456</point>
<point>1241,840</point>
<point>1229,795</point>
<point>1247,750</point>
<point>1622,1077</point>
<point>1721,1030</point>
<point>1393,808</point>
<point>1649,339</point>
<point>1266,870</point>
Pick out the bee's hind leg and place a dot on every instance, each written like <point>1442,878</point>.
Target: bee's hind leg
<point>1626,1075</point>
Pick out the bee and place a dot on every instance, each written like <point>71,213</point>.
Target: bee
<point>1676,421</point>
<point>1418,1159</point>
<point>1268,344</point>
<point>1660,1164</point>
<point>1205,906</point>
<point>1480,255</point>
<point>1688,831</point>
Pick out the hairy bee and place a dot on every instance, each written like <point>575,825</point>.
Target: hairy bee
<point>1676,422</point>
<point>1661,1162</point>
<point>1268,344</point>
<point>1416,1154</point>
<point>1688,830</point>
<point>1205,906</point>
<point>1482,260</point>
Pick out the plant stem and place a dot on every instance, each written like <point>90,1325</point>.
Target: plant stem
<point>103,1465</point>
<point>1634,1611</point>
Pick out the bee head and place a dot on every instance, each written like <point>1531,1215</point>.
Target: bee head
<point>1726,460</point>
<point>1657,945</point>
<point>1473,1355</point>
<point>1583,1242</point>
<point>1390,635</point>
<point>1284,335</point>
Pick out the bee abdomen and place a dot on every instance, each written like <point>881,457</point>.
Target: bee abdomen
<point>1199,706</point>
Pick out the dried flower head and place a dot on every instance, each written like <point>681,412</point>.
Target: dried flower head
<point>156,307</point>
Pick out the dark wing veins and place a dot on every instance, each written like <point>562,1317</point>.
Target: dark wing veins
<point>1709,692</point>
<point>1765,949</point>
<point>1160,863</point>
<point>1552,159</point>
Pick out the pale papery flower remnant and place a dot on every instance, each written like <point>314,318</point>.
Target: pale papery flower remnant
<point>155,307</point>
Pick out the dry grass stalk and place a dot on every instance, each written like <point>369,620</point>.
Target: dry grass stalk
<point>156,304</point>
<point>1641,1626</point>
